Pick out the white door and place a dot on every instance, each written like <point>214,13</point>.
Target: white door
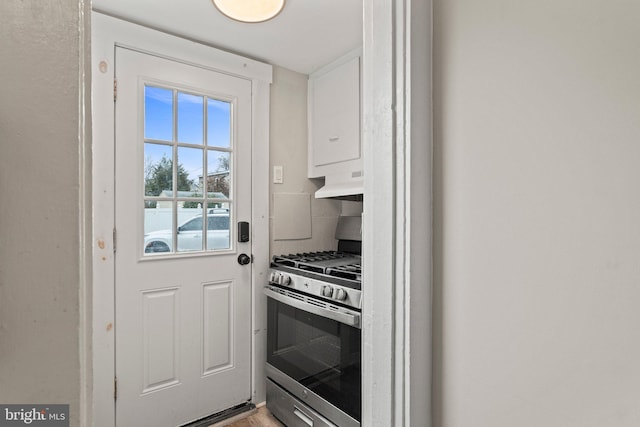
<point>183,301</point>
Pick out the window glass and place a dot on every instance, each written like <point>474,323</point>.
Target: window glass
<point>191,235</point>
<point>218,222</point>
<point>218,174</point>
<point>218,123</point>
<point>158,170</point>
<point>158,222</point>
<point>190,164</point>
<point>190,118</point>
<point>158,113</point>
<point>194,224</point>
<point>218,230</point>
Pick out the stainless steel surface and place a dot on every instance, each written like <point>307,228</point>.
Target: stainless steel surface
<point>342,294</point>
<point>315,306</point>
<point>291,411</point>
<point>308,398</point>
<point>328,284</point>
<point>304,417</point>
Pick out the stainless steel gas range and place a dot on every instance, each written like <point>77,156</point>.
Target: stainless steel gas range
<point>314,337</point>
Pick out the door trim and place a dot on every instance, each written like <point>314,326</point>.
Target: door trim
<point>397,140</point>
<point>107,33</point>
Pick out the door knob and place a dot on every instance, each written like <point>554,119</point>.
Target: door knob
<point>244,259</point>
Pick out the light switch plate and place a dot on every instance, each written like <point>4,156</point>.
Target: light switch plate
<point>277,175</point>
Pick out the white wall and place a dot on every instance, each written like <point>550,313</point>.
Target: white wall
<point>537,183</point>
<point>288,148</point>
<point>42,223</point>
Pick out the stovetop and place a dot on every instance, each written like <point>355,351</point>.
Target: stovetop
<point>331,275</point>
<point>331,263</point>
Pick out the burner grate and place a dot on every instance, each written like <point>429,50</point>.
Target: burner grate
<point>338,264</point>
<point>349,271</point>
<point>311,256</point>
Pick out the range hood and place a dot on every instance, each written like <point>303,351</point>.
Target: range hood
<point>336,186</point>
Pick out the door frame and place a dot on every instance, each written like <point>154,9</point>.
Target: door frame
<point>398,213</point>
<point>107,33</point>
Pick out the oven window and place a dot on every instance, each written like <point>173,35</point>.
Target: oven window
<point>320,353</point>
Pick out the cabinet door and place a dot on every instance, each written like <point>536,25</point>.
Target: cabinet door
<point>335,114</point>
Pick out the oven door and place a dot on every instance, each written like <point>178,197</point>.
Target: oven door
<point>316,345</point>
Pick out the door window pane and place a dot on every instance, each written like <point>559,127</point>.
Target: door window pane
<point>158,170</point>
<point>190,118</point>
<point>158,225</point>
<point>219,222</point>
<point>218,174</point>
<point>218,230</point>
<point>194,224</point>
<point>190,234</point>
<point>190,166</point>
<point>218,123</point>
<point>158,113</point>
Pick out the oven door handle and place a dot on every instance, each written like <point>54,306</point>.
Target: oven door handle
<point>351,319</point>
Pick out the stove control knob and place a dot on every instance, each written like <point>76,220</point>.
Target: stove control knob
<point>340,294</point>
<point>327,291</point>
<point>273,277</point>
<point>285,279</point>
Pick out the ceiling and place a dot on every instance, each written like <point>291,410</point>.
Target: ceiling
<point>306,35</point>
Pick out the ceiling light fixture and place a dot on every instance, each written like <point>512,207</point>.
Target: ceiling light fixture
<point>251,11</point>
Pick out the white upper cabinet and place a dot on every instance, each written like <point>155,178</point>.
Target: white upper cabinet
<point>335,114</point>
<point>335,149</point>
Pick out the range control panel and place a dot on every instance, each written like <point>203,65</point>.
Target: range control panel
<point>344,295</point>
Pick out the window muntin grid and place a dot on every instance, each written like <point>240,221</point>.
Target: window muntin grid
<point>185,134</point>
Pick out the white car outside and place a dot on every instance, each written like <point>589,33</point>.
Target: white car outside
<point>189,235</point>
